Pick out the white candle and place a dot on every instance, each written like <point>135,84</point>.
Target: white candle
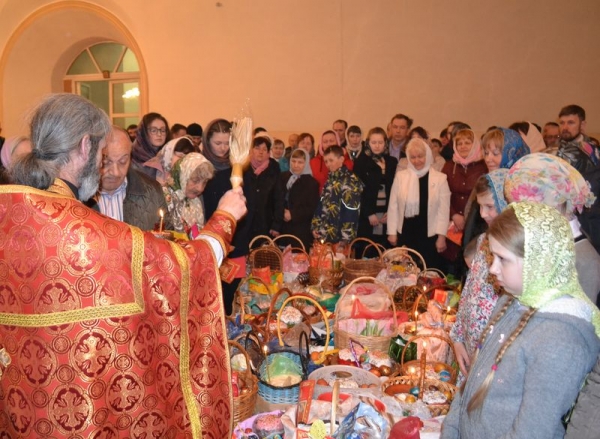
<point>162,218</point>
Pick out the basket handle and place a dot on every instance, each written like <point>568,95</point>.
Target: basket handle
<point>321,358</point>
<point>256,339</point>
<point>274,240</point>
<point>370,244</point>
<point>426,293</point>
<point>304,358</point>
<point>408,250</point>
<point>412,339</point>
<point>272,307</point>
<point>433,270</point>
<point>328,250</point>
<point>364,279</point>
<point>258,237</point>
<point>240,348</point>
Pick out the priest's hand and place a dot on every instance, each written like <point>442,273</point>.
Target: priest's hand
<point>234,203</point>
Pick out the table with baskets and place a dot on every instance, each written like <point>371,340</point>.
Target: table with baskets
<point>333,330</point>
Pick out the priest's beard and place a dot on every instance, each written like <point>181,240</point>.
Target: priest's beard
<point>89,179</point>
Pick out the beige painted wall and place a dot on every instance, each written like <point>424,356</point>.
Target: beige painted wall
<point>305,63</point>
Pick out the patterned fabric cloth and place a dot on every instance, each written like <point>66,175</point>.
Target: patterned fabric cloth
<point>544,178</point>
<point>477,301</point>
<point>549,244</point>
<point>185,213</point>
<point>514,148</point>
<point>336,217</point>
<point>107,331</point>
<point>496,181</point>
<point>481,292</point>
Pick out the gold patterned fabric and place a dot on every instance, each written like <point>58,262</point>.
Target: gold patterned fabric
<point>106,331</point>
<point>549,262</point>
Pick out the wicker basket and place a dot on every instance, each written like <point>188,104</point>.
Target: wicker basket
<point>286,394</point>
<point>404,256</point>
<point>323,354</point>
<point>243,405</point>
<point>320,274</point>
<point>292,237</point>
<point>266,255</point>
<point>414,381</point>
<point>416,364</point>
<point>358,267</point>
<point>371,342</point>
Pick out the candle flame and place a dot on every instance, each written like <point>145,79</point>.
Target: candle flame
<point>161,213</point>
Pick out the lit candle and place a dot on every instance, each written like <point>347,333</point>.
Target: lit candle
<point>162,218</point>
<point>266,351</point>
<point>447,312</point>
<point>411,371</point>
<point>423,369</point>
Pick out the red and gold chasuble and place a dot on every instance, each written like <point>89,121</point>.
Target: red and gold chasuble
<point>106,331</point>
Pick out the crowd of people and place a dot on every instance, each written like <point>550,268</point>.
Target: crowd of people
<point>398,186</point>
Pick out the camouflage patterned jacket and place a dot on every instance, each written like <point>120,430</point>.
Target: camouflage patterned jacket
<point>336,217</point>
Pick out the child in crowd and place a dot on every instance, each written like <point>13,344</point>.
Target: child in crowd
<point>542,339</point>
<point>277,154</point>
<point>296,198</point>
<point>354,145</point>
<point>480,292</point>
<point>336,217</point>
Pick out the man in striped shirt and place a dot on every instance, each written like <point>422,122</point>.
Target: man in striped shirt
<point>126,194</point>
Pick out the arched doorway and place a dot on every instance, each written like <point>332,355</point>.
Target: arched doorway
<point>42,48</point>
<point>108,74</point>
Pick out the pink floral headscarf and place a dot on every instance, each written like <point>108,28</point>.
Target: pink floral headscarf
<point>548,179</point>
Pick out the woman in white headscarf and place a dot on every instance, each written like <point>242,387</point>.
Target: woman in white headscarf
<point>164,161</point>
<point>419,205</point>
<point>184,193</point>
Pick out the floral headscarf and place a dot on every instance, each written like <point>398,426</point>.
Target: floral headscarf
<point>549,260</point>
<point>496,181</point>
<point>548,179</point>
<point>185,212</point>
<point>514,148</point>
<point>474,155</point>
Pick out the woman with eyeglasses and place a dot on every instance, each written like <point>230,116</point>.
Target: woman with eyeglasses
<point>152,134</point>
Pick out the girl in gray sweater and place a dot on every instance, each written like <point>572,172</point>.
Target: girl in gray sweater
<point>542,339</point>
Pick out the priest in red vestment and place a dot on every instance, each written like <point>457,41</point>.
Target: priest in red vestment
<point>105,331</point>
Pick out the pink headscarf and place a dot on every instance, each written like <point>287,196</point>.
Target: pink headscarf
<point>474,155</point>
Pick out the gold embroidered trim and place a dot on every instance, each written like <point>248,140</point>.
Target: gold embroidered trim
<point>224,328</point>
<point>100,312</point>
<point>184,348</point>
<point>219,239</point>
<point>26,190</point>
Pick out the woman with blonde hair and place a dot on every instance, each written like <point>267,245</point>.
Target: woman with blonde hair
<point>542,340</point>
